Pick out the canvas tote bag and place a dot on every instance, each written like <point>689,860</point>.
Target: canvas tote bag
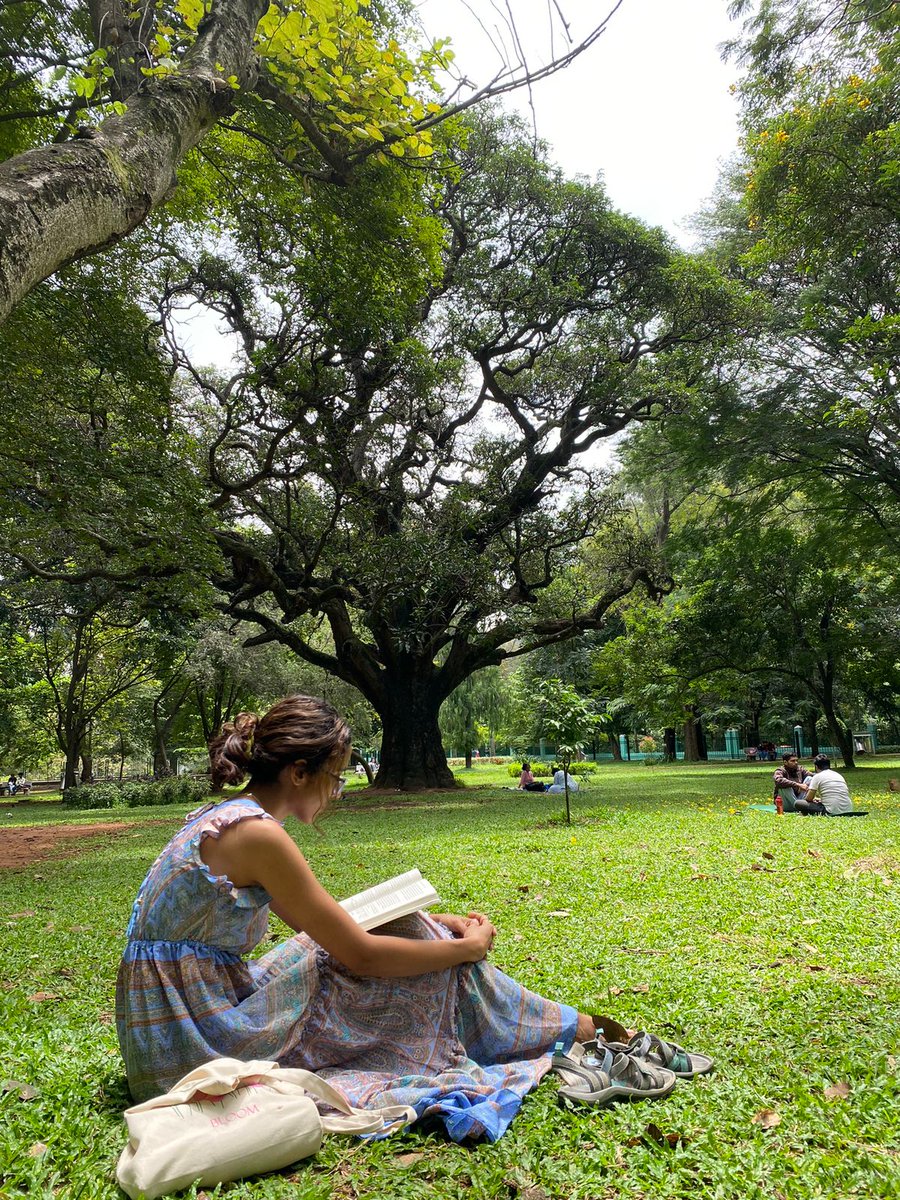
<point>228,1119</point>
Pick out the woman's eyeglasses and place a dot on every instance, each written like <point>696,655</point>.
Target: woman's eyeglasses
<point>339,784</point>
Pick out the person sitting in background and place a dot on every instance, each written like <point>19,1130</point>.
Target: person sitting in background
<point>560,778</point>
<point>826,792</point>
<point>788,778</point>
<point>527,781</point>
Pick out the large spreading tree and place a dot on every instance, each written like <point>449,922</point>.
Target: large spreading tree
<point>418,475</point>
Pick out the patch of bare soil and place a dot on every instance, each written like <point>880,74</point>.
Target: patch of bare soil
<point>21,847</point>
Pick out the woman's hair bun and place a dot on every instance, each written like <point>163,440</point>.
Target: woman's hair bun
<point>231,753</point>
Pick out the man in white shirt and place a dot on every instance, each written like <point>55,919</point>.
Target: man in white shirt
<point>825,793</point>
<point>559,782</point>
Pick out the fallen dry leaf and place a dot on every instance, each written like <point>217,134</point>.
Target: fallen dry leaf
<point>559,912</point>
<point>36,1149</point>
<point>40,997</point>
<point>837,1091</point>
<point>80,928</point>
<point>770,857</point>
<point>892,1062</point>
<point>616,991</point>
<point>23,1090</point>
<point>766,1118</point>
<point>641,987</point>
<point>26,912</point>
<point>524,887</point>
<point>760,867</point>
<point>814,853</point>
<point>407,1160</point>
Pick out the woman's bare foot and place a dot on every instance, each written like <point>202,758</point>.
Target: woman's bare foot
<point>585,1031</point>
<point>590,1027</point>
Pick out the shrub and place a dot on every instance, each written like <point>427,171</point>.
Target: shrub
<point>181,789</point>
<point>498,761</point>
<point>539,770</point>
<point>583,768</point>
<point>647,745</point>
<point>93,795</point>
<point>888,750</point>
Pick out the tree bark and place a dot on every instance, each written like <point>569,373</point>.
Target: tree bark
<point>61,202</point>
<point>702,748</point>
<point>671,750</point>
<point>843,738</point>
<point>615,746</point>
<point>813,732</point>
<point>691,741</point>
<point>87,758</point>
<point>412,752</point>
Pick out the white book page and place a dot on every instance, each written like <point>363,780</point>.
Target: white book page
<point>394,898</point>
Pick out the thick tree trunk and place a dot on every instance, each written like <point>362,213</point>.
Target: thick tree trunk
<point>671,750</point>
<point>162,768</point>
<point>813,733</point>
<point>63,201</point>
<point>70,773</point>
<point>691,741</point>
<point>412,753</point>
<point>842,736</point>
<point>615,746</point>
<point>702,748</point>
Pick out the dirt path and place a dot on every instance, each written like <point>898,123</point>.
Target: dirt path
<point>23,846</point>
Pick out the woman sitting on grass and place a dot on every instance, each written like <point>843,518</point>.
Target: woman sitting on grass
<point>410,1013</point>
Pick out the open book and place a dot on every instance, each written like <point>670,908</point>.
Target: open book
<point>394,898</point>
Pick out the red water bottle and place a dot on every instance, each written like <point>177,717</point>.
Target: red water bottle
<point>779,805</point>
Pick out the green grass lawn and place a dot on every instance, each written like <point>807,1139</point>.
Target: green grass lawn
<point>768,942</point>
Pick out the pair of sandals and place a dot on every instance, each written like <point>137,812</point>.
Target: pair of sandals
<point>641,1067</point>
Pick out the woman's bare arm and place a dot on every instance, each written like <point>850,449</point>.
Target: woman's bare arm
<point>261,853</point>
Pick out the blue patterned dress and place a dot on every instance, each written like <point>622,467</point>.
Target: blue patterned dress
<point>463,1044</point>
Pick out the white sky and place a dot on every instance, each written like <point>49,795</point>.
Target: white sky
<point>647,106</point>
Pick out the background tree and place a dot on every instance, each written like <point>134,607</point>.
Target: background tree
<point>424,489</point>
<point>813,223</point>
<point>569,720</point>
<point>472,714</point>
<point>101,103</point>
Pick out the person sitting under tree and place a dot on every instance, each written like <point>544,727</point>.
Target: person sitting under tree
<point>788,778</point>
<point>825,793</point>
<point>410,1013</point>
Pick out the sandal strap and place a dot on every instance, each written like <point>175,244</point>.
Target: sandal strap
<point>672,1057</point>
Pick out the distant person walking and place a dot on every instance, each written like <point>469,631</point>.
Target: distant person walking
<point>826,792</point>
